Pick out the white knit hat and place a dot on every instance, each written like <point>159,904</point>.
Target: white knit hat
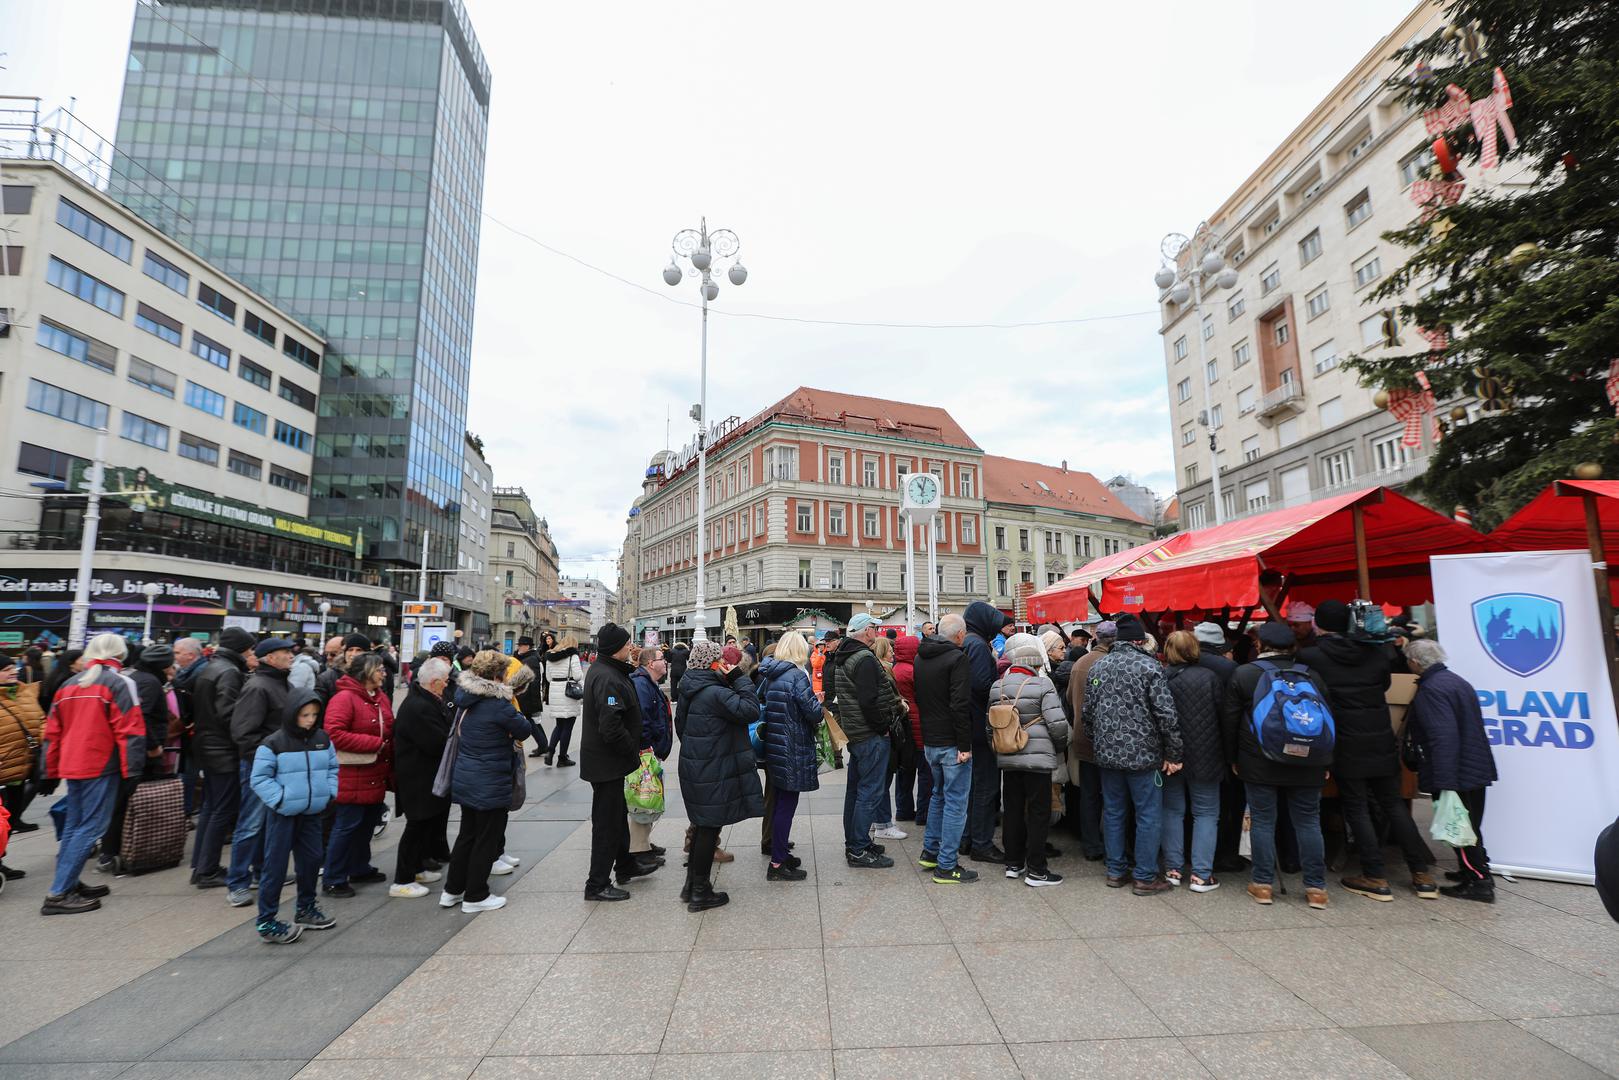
<point>1025,651</point>
<point>106,647</point>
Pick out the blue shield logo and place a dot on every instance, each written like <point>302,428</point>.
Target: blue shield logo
<point>1522,632</point>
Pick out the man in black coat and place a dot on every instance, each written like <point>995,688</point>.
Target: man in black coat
<point>984,621</point>
<point>1365,759</point>
<point>944,705</point>
<point>1214,653</point>
<point>609,750</point>
<point>531,702</point>
<point>213,704</point>
<point>421,728</point>
<point>256,717</point>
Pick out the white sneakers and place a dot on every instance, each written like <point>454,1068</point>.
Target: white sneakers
<point>512,860</point>
<point>493,903</point>
<point>889,832</point>
<point>427,877</point>
<point>497,868</point>
<point>449,899</point>
<point>407,892</point>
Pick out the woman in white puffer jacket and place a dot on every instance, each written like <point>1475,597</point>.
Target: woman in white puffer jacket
<point>562,666</point>
<point>1026,774</point>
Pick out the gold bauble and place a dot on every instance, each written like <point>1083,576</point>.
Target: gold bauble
<point>1458,413</point>
<point>1381,399</point>
<point>1524,254</point>
<point>1588,470</point>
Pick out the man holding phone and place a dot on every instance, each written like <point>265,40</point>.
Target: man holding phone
<point>944,703</point>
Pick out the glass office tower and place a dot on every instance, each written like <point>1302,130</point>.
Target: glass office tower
<point>331,153</point>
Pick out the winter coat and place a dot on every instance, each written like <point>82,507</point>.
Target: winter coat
<point>1059,679</point>
<point>984,622</point>
<point>1450,729</point>
<point>1242,745</point>
<point>154,703</point>
<point>1129,712</point>
<point>866,699</point>
<point>22,721</point>
<point>792,718</point>
<point>677,668</point>
<point>1222,666</point>
<point>258,710</point>
<point>305,670</point>
<point>95,727</point>
<point>295,771</point>
<point>904,673</point>
<point>656,733</point>
<point>531,702</point>
<point>944,694</point>
<point>559,668</point>
<point>1081,747</point>
<point>1197,692</point>
<point>213,703</point>
<point>421,728</point>
<point>610,738</point>
<point>1356,675</point>
<point>1040,711</point>
<point>185,685</point>
<point>491,729</point>
<point>719,777</point>
<point>361,723</point>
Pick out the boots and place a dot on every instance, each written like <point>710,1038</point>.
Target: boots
<point>1373,888</point>
<point>704,897</point>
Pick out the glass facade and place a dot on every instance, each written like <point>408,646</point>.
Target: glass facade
<point>330,154</point>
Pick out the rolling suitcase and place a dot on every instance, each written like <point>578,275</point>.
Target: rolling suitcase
<point>154,827</point>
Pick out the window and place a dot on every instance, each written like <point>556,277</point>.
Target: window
<point>16,199</point>
<point>969,580</point>
<point>1318,302</point>
<point>938,528</point>
<point>837,573</point>
<point>1025,577</point>
<point>1250,448</point>
<point>259,328</point>
<point>1270,279</point>
<point>95,230</point>
<point>872,526</point>
<point>1082,545</point>
<point>1216,417</point>
<point>938,573</point>
<point>834,468</point>
<point>1371,331</point>
<point>1000,538</point>
<point>835,524</point>
<point>1287,432</point>
<point>66,405</point>
<point>1048,540</point>
<point>1389,454</point>
<point>208,401</point>
<point>245,465</point>
<point>216,302</point>
<point>1241,354</point>
<point>296,438</point>
<point>198,449</point>
<point>1208,327</point>
<point>966,483</point>
<point>1183,390</point>
<point>1234,310</point>
<point>43,461</point>
<point>146,432</point>
<point>803,573</point>
<point>1180,347</point>
<point>1001,583</point>
<point>1360,145</point>
<point>969,530</point>
<point>1281,333</point>
<point>1212,371</point>
<point>1188,434</point>
<point>1310,248</point>
<point>1368,268</point>
<point>511,549</point>
<point>149,376</point>
<point>781,463</point>
<point>1191,474</point>
<point>868,472</point>
<point>251,419</point>
<point>871,576</point>
<point>1325,357</point>
<point>80,347</point>
<point>295,482</point>
<point>1271,225</point>
<point>1023,539</point>
<point>91,290</point>
<point>1257,495</point>
<point>210,350</point>
<point>1331,412</point>
<point>903,468</point>
<point>1245,400</point>
<point>1414,167</point>
<point>154,321</point>
<point>1338,469</point>
<point>758,520</point>
<point>1358,209</point>
<point>291,346</point>
<point>304,399</point>
<point>258,376</point>
<point>162,270</point>
<point>802,518</point>
<point>1295,485</point>
<point>1197,515</point>
<point>10,260</point>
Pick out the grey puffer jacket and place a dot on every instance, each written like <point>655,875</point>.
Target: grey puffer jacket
<point>1040,711</point>
<point>1129,711</point>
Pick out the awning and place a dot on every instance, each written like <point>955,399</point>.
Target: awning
<point>1555,521</point>
<point>1313,544</point>
<point>1069,599</point>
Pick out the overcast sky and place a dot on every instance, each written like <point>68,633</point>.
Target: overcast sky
<point>898,162</point>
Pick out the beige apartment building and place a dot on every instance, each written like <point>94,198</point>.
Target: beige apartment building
<point>522,570</point>
<point>1263,365</point>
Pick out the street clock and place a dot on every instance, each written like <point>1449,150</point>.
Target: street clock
<point>921,493</point>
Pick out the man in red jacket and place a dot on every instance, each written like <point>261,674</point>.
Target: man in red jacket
<point>94,737</point>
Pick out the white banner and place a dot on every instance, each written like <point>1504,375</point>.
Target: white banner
<point>1523,628</point>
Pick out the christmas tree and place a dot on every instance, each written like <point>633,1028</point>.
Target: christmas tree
<point>1523,311</point>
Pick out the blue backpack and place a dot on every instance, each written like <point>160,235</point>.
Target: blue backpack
<point>1291,720</point>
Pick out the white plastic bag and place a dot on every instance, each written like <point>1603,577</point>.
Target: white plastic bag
<point>1451,825</point>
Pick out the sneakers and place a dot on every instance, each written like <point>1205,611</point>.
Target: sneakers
<point>449,899</point>
<point>956,875</point>
<point>987,854</point>
<point>868,860</point>
<point>428,877</point>
<point>1373,888</point>
<point>1172,878</point>
<point>500,869</point>
<point>929,860</point>
<point>889,832</point>
<point>407,891</point>
<point>1425,886</point>
<point>342,890</point>
<point>1151,888</point>
<point>240,897</point>
<point>69,903</point>
<point>313,918</point>
<point>510,860</point>
<point>1260,893</point>
<point>1199,885</point>
<point>1037,880</point>
<point>488,903</point>
<point>1316,898</point>
<point>785,873</point>
<point>1014,872</point>
<point>275,932</point>
<point>1482,891</point>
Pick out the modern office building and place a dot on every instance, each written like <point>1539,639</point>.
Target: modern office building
<point>467,591</point>
<point>1304,233</point>
<point>330,154</point>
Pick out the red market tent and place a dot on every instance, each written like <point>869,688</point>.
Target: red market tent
<point>1374,541</point>
<point>1070,600</point>
<point>1570,515</point>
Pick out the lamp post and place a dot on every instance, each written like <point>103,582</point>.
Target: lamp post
<point>325,609</point>
<point>701,249</point>
<point>79,617</point>
<point>1206,269</point>
<point>152,590</point>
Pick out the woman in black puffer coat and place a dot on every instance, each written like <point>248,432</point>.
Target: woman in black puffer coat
<point>487,761</point>
<point>792,718</point>
<point>1197,703</point>
<point>719,776</point>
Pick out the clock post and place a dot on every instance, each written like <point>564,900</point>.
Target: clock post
<point>921,493</point>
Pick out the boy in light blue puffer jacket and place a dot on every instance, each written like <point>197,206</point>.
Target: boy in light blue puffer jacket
<point>295,773</point>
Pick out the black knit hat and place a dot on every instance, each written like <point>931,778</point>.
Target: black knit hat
<point>611,638</point>
<point>1333,616</point>
<point>236,639</point>
<point>1130,628</point>
<point>442,648</point>
<point>357,641</point>
<point>526,640</point>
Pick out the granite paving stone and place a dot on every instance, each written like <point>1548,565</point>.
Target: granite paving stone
<point>758,1065</point>
<point>534,922</point>
<point>1283,1055</point>
<point>1096,911</point>
<point>593,1067</point>
<point>987,1062</point>
<point>785,916</point>
<point>1115,1059</point>
<point>904,995</point>
<point>390,1069</point>
<point>982,910</point>
<point>1485,1051</point>
<point>1566,940</point>
<point>653,920</point>
<point>750,1000</point>
<point>1039,990</point>
<point>1592,1039</point>
<point>880,913</point>
<point>583,1006</point>
<point>35,992</point>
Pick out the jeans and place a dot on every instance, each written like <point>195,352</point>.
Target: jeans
<point>1028,818</point>
<point>348,849</point>
<point>1474,862</point>
<point>247,842</point>
<point>1357,795</point>
<point>864,796</point>
<point>781,826</point>
<point>297,835</point>
<point>1205,799</point>
<point>477,846</point>
<point>947,805</point>
<point>421,833</point>
<point>89,809</point>
<point>221,792</point>
<point>1228,835</point>
<point>609,834</point>
<point>905,792</point>
<point>1304,807</point>
<point>1090,810</point>
<point>985,800</point>
<point>1121,789</point>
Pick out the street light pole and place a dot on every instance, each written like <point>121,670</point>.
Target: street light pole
<point>700,248</point>
<point>151,589</point>
<point>79,620</point>
<point>325,609</point>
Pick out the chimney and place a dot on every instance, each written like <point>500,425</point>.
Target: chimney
<point>1064,464</point>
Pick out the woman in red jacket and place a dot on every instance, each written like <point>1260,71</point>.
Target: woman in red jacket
<point>911,776</point>
<point>360,721</point>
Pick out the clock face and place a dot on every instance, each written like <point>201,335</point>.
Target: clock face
<point>924,489</point>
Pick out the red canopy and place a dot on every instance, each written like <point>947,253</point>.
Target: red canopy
<point>1313,544</point>
<point>1069,599</point>
<point>1555,521</point>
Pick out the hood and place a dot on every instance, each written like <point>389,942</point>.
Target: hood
<point>696,679</point>
<point>772,668</point>
<point>984,619</point>
<point>472,687</point>
<point>1347,651</point>
<point>935,646</point>
<point>905,649</point>
<point>847,648</point>
<point>349,683</point>
<point>296,700</point>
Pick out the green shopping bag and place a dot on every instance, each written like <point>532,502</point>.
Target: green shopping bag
<point>643,788</point>
<point>1451,825</point>
<point>825,757</point>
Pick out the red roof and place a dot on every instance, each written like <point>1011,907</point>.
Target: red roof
<point>866,416</point>
<point>1172,512</point>
<point>1029,483</point>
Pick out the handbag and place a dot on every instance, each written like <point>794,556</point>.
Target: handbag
<point>575,689</point>
<point>363,757</point>
<point>445,774</point>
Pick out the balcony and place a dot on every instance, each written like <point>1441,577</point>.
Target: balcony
<point>1286,401</point>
